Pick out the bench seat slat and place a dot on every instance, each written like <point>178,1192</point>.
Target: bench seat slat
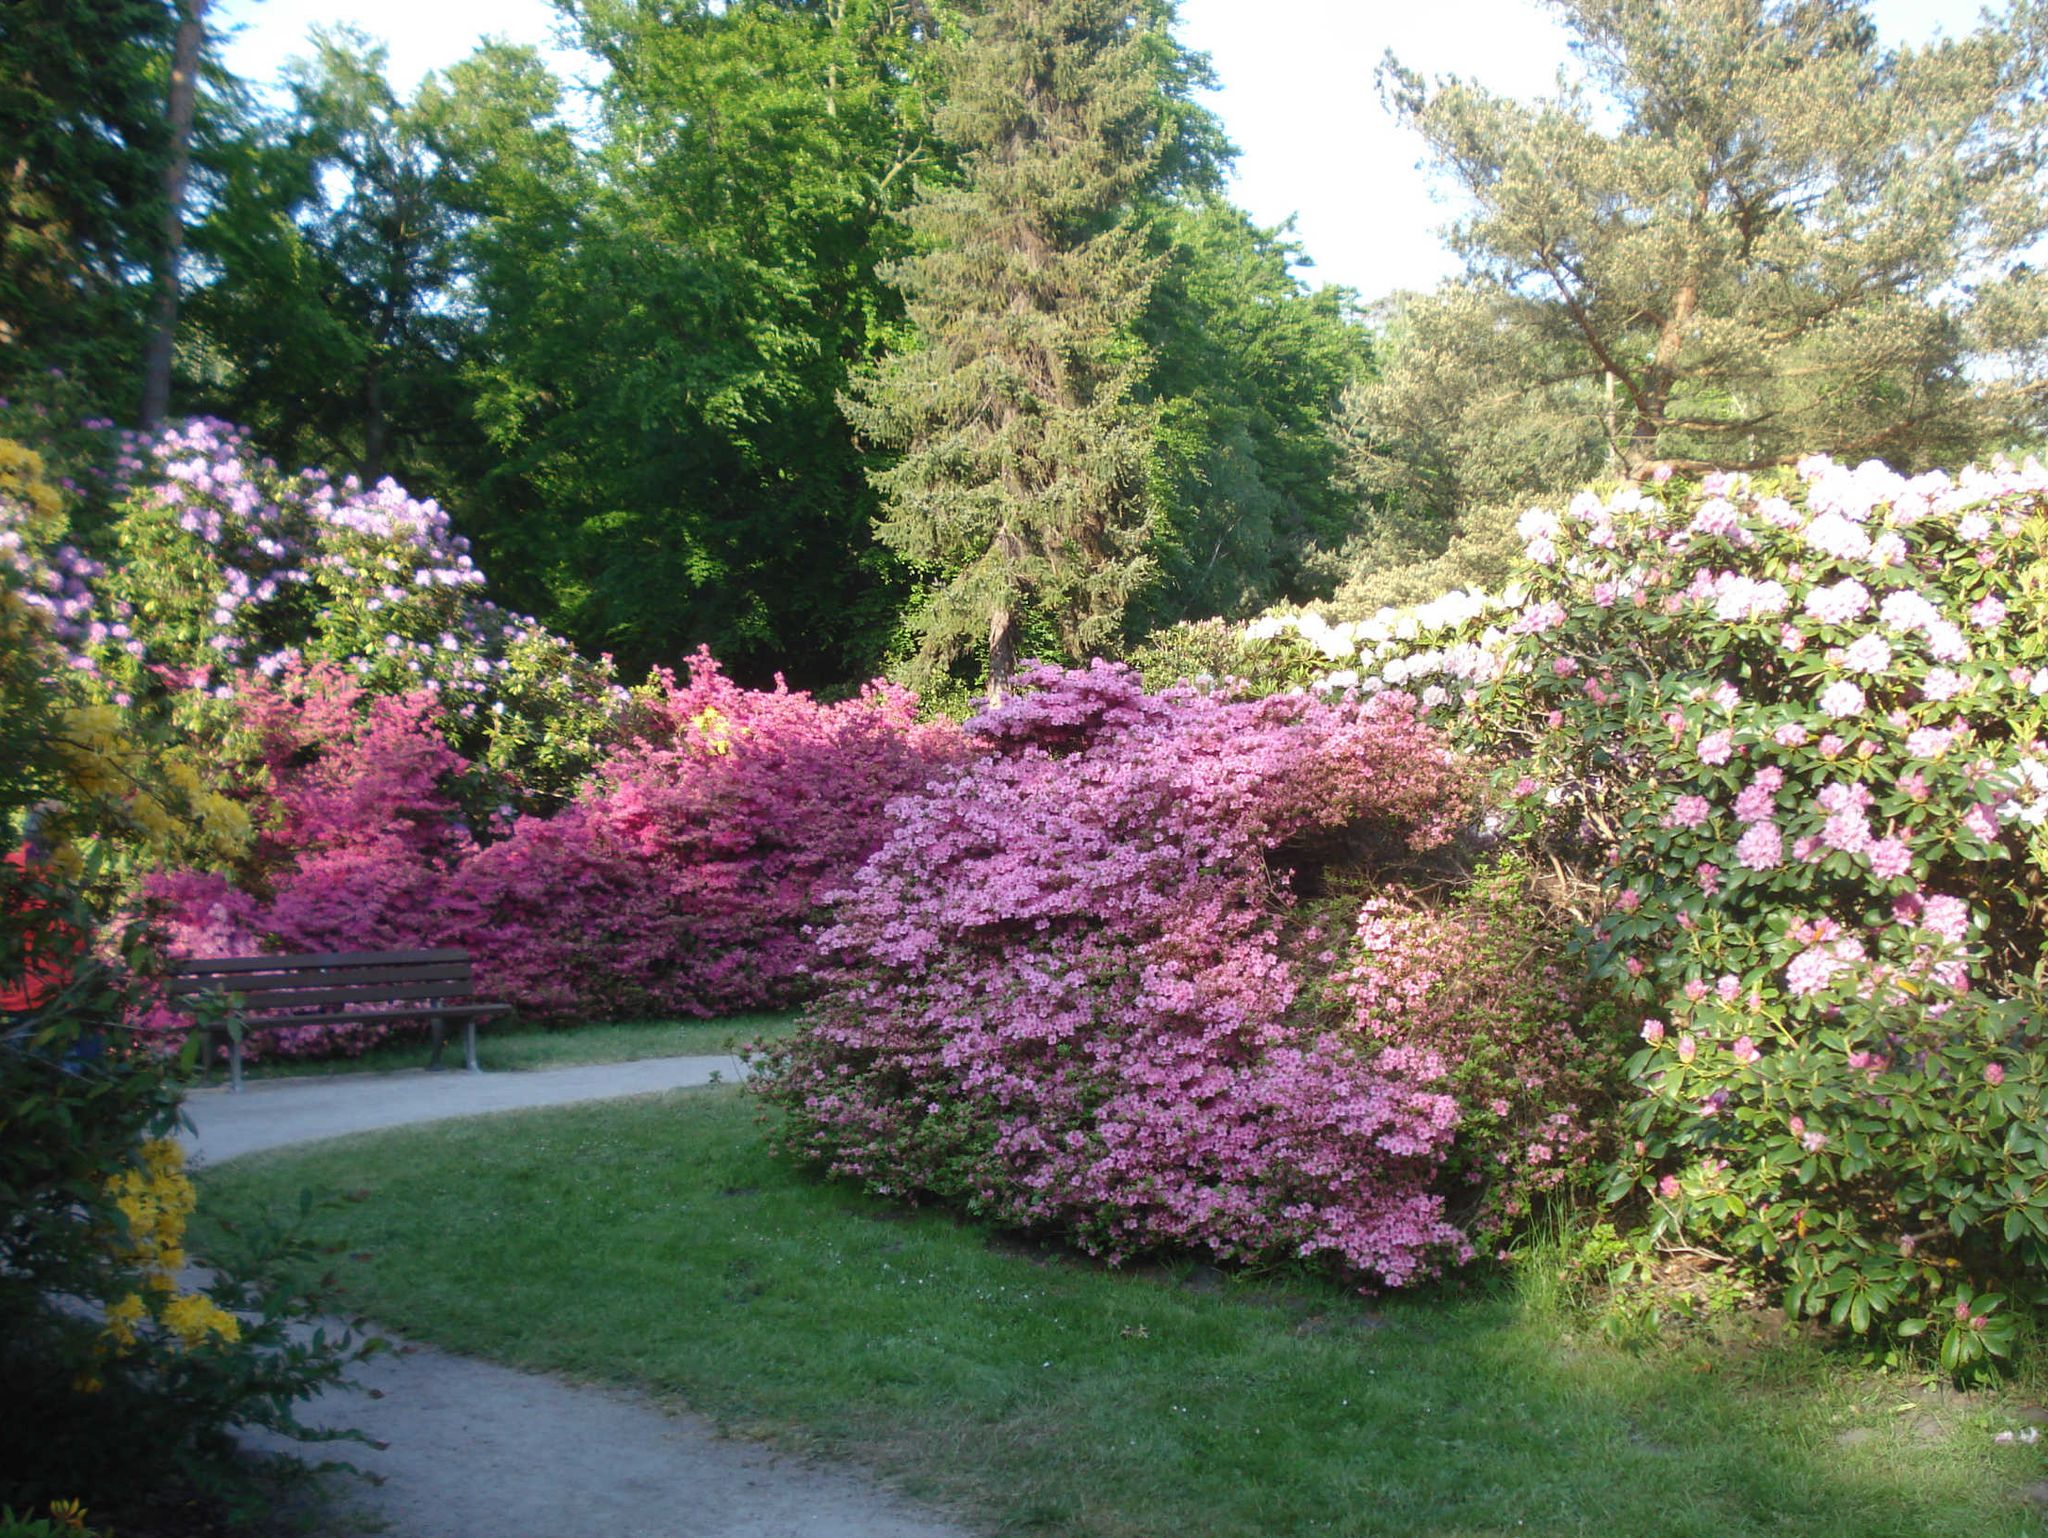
<point>225,964</point>
<point>373,1016</point>
<point>251,983</point>
<point>258,1000</point>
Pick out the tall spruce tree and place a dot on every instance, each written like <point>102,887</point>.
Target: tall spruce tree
<point>1020,489</point>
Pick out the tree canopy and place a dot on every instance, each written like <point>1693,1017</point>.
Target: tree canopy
<point>1746,231</point>
<point>850,334</point>
<point>1021,484</point>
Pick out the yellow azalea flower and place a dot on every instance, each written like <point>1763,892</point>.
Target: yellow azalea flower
<point>123,1315</point>
<point>714,729</point>
<point>192,1317</point>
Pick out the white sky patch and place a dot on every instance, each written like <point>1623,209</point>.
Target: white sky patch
<point>1297,94</point>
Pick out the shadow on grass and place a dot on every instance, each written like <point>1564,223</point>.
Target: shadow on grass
<point>658,1244</point>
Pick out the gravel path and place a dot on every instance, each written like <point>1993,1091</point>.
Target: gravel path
<point>476,1450</point>
<point>271,1113</point>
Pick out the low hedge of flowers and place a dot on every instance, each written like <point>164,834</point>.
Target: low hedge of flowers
<point>1792,725</point>
<point>408,764</point>
<point>1079,988</point>
<point>679,881</point>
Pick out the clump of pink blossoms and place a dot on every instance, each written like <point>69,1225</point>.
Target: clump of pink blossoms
<point>1072,990</point>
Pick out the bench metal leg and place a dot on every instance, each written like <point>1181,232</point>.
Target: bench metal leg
<point>234,1064</point>
<point>438,1033</point>
<point>469,1044</point>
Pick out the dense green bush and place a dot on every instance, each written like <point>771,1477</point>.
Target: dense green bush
<point>1210,654</point>
<point>1481,554</point>
<point>122,1384</point>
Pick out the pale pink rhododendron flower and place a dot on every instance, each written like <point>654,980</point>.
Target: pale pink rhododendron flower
<point>1688,812</point>
<point>1867,654</point>
<point>1761,847</point>
<point>1840,700</point>
<point>1841,603</point>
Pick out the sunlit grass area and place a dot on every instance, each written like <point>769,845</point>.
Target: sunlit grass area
<point>659,1245</point>
<point>511,1048</point>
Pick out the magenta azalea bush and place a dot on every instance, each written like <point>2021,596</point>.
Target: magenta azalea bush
<point>684,877</point>
<point>1078,988</point>
<point>680,880</point>
<point>1794,726</point>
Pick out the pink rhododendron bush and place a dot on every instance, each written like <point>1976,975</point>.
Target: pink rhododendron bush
<point>679,881</point>
<point>1794,727</point>
<point>1084,987</point>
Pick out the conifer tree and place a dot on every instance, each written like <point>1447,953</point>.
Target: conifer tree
<point>1020,489</point>
<point>1748,232</point>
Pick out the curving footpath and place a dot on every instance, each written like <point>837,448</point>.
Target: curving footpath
<point>476,1450</point>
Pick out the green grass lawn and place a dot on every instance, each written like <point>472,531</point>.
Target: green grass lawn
<point>657,1244</point>
<point>510,1048</point>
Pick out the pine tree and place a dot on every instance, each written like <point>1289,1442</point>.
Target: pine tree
<point>1751,231</point>
<point>1021,485</point>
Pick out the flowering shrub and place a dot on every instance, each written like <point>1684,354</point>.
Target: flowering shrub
<point>680,881</point>
<point>1794,726</point>
<point>109,775</point>
<point>683,879</point>
<point>139,1400</point>
<point>226,565</point>
<point>1532,1055</point>
<point>1079,988</point>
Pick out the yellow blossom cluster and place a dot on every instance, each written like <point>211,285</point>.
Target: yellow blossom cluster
<point>155,1199</point>
<point>160,795</point>
<point>24,480</point>
<point>713,730</point>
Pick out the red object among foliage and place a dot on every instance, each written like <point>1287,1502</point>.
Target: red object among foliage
<point>47,950</point>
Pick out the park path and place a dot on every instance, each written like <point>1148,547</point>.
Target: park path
<point>274,1113</point>
<point>478,1450</point>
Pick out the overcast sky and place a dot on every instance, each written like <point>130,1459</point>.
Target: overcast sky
<point>1296,94</point>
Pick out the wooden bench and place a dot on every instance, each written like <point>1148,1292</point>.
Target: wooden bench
<point>333,989</point>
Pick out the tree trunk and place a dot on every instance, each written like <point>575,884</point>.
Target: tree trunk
<point>376,426</point>
<point>1661,376</point>
<point>1002,653</point>
<point>156,371</point>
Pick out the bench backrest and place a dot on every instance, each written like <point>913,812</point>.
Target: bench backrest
<point>329,981</point>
